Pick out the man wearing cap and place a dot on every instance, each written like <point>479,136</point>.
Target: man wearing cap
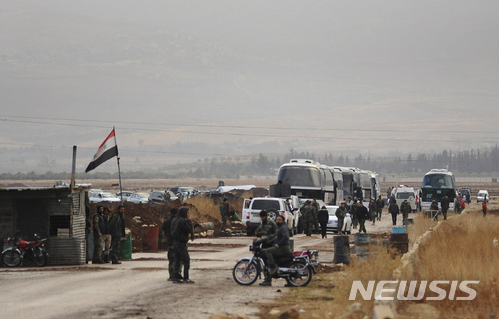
<point>267,228</point>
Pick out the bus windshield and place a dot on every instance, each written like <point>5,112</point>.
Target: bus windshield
<point>438,181</point>
<point>300,176</point>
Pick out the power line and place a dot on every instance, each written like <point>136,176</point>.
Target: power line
<point>235,126</point>
<point>439,140</point>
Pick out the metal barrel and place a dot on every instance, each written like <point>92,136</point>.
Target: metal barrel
<point>361,243</point>
<point>400,242</point>
<point>202,227</point>
<point>341,250</point>
<point>150,238</point>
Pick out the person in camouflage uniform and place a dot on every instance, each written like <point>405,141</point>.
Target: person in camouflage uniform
<point>166,227</point>
<point>308,217</point>
<point>267,228</point>
<point>379,205</point>
<point>340,214</point>
<point>405,209</point>
<point>117,231</point>
<point>99,229</point>
<point>373,210</point>
<point>434,207</point>
<point>355,221</point>
<point>224,212</point>
<point>316,208</point>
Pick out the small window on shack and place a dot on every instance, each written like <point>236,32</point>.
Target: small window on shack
<point>59,225</point>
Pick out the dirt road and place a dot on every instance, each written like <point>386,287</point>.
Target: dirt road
<point>139,288</point>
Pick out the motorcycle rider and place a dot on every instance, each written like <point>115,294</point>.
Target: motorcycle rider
<point>280,248</point>
<point>267,228</point>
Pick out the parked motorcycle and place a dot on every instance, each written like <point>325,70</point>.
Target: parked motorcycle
<point>23,251</point>
<point>297,267</point>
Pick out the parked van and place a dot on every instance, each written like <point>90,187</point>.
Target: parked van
<point>403,192</point>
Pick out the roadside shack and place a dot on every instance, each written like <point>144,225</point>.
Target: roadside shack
<point>51,212</point>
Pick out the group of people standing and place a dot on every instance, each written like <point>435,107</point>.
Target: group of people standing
<point>109,231</point>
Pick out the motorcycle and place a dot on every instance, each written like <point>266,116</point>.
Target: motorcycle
<point>297,267</point>
<point>23,251</point>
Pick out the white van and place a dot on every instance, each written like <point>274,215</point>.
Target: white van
<point>403,192</point>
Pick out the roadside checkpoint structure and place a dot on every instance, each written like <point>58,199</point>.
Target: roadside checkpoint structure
<point>57,213</point>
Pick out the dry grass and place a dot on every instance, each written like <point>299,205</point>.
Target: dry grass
<point>462,249</point>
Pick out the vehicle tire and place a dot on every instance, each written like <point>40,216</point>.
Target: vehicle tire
<point>302,278</point>
<point>11,258</point>
<point>40,258</point>
<point>349,232</point>
<point>272,214</point>
<point>245,273</point>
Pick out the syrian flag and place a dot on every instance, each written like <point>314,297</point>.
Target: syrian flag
<point>107,150</point>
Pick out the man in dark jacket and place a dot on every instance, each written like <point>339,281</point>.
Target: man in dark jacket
<point>362,216</point>
<point>267,228</point>
<point>224,212</point>
<point>281,248</point>
<point>373,210</point>
<point>99,229</point>
<point>323,217</point>
<point>117,231</point>
<point>307,217</point>
<point>444,203</point>
<point>181,228</point>
<point>166,227</point>
<point>394,210</point>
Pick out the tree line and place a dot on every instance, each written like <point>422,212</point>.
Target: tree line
<point>484,161</point>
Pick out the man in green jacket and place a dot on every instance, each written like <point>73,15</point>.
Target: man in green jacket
<point>405,208</point>
<point>117,231</point>
<point>340,214</point>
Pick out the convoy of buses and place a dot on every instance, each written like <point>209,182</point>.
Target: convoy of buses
<point>333,184</point>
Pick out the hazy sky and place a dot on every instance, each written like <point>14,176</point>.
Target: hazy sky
<point>326,76</point>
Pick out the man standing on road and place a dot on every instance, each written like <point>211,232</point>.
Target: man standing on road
<point>99,228</point>
<point>362,216</point>
<point>224,212</point>
<point>267,228</point>
<point>281,248</point>
<point>444,204</point>
<point>316,208</point>
<point>181,229</point>
<point>379,205</point>
<point>106,236</point>
<point>394,210</point>
<point>117,231</point>
<point>341,212</point>
<point>373,210</point>
<point>405,208</point>
<point>166,227</point>
<point>308,218</point>
<point>323,217</point>
<point>355,221</point>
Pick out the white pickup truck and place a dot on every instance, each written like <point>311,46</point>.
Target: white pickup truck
<point>274,206</point>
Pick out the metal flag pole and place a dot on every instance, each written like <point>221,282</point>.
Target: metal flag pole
<point>118,160</point>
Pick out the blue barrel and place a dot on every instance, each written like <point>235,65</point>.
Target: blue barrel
<point>399,230</point>
<point>341,250</point>
<point>361,242</point>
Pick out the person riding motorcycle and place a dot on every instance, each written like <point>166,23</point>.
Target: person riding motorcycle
<point>280,248</point>
<point>267,228</point>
